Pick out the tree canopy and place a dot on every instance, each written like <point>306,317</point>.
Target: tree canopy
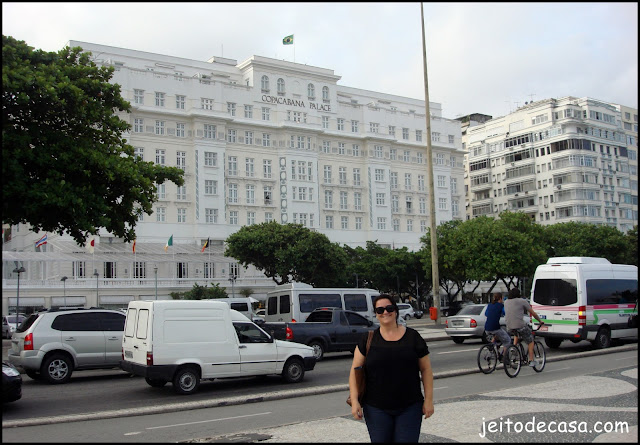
<point>66,166</point>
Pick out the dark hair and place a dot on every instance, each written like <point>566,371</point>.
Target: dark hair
<point>497,296</point>
<point>391,299</point>
<point>514,293</point>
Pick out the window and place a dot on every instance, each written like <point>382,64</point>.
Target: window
<point>161,191</point>
<point>356,150</point>
<point>210,187</point>
<point>380,199</point>
<point>344,222</point>
<point>180,102</point>
<point>231,135</point>
<point>421,183</point>
<point>266,140</point>
<point>180,130</point>
<point>233,217</point>
<point>248,111</point>
<point>342,175</point>
<point>442,203</point>
<point>161,214</point>
<point>343,201</point>
<point>138,97</point>
<point>328,223</point>
<point>382,223</point>
<point>442,181</point>
<point>379,174</point>
<point>233,166</point>
<point>451,139</point>
<point>374,127</point>
<point>266,114</point>
<point>392,130</point>
<point>356,176</point>
<point>138,125</point>
<point>181,160</point>
<point>407,181</point>
<point>393,154</point>
<point>396,225</point>
<point>159,128</point>
<point>394,203</point>
<point>406,155</point>
<point>357,201</point>
<point>405,134</point>
<point>358,223</point>
<point>159,157</point>
<point>210,159</point>
<point>393,178</point>
<point>231,108</point>
<point>209,131</point>
<point>233,193</point>
<point>435,136</point>
<point>251,218</point>
<point>280,85</point>
<point>377,150</point>
<point>266,168</point>
<point>328,199</point>
<point>354,126</point>
<point>139,153</point>
<point>267,194</point>
<point>251,194</point>
<point>418,135</point>
<point>409,225</point>
<point>325,121</point>
<point>325,93</point>
<point>264,84</point>
<point>340,124</point>
<point>327,174</point>
<point>420,158</point>
<point>160,99</point>
<point>311,91</point>
<point>341,149</point>
<point>182,215</point>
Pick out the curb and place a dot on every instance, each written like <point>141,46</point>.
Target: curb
<point>265,397</point>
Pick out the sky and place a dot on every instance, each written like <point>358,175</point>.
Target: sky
<point>485,58</point>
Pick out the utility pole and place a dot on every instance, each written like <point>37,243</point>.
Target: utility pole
<point>435,278</point>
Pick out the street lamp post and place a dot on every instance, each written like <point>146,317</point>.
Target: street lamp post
<point>18,271</point>
<point>64,286</point>
<point>155,270</point>
<point>95,272</point>
<point>232,278</point>
<point>356,279</point>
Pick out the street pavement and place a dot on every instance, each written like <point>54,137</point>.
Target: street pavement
<point>566,410</point>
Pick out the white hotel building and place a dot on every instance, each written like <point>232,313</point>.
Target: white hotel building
<point>261,140</point>
<point>557,160</point>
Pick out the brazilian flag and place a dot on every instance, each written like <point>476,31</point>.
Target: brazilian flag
<point>288,40</point>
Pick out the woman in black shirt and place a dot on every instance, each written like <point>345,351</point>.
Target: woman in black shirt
<point>398,359</point>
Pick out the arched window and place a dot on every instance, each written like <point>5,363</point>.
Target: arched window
<point>265,83</point>
<point>311,91</point>
<point>281,85</point>
<point>325,93</point>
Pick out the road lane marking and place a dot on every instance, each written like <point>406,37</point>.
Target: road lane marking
<point>628,358</point>
<point>206,421</point>
<point>441,387</point>
<point>132,434</point>
<point>462,350</point>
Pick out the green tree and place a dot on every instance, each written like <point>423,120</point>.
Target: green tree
<point>198,292</point>
<point>632,243</point>
<point>289,252</point>
<point>66,166</point>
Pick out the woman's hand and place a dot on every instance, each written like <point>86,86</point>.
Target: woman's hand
<point>356,410</point>
<point>427,409</point>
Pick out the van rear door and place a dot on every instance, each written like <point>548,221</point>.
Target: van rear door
<point>136,341</point>
<point>555,299</point>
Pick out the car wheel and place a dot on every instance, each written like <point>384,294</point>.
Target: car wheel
<point>407,317</point>
<point>318,349</point>
<point>186,380</point>
<point>603,338</point>
<point>34,375</point>
<point>293,371</point>
<point>457,340</point>
<point>56,369</point>
<point>553,343</point>
<point>156,383</point>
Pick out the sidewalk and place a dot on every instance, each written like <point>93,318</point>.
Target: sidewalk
<point>567,410</point>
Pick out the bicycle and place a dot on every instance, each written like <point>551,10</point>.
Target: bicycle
<point>517,356</point>
<point>489,355</point>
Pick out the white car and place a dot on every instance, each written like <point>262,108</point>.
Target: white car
<point>406,311</point>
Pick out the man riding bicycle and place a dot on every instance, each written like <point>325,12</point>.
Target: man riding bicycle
<point>515,307</point>
<point>494,311</point>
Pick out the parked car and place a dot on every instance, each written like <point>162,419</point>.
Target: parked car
<point>469,323</point>
<point>9,324</point>
<point>51,344</point>
<point>406,311</point>
<point>11,383</point>
<point>419,313</point>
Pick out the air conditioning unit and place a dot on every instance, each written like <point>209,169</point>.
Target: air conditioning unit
<point>516,195</point>
<point>527,192</point>
<point>546,206</point>
<point>558,186</point>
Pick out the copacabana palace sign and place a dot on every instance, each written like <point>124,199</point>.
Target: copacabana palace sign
<point>294,103</point>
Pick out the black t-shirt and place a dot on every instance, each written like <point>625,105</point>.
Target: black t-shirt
<point>392,369</point>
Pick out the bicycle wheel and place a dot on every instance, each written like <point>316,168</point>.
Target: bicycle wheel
<point>512,361</point>
<point>539,355</point>
<point>487,359</point>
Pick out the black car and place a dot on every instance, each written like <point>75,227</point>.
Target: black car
<point>11,383</point>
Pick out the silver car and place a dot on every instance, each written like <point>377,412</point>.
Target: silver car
<point>406,311</point>
<point>469,323</point>
<point>9,323</point>
<point>51,344</point>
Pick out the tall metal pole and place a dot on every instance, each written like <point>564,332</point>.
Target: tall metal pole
<point>64,285</point>
<point>155,270</point>
<point>95,272</point>
<point>435,278</point>
<point>18,271</point>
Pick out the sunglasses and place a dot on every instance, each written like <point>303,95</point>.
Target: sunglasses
<point>389,308</point>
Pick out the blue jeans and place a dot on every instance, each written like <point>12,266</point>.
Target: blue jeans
<point>393,425</point>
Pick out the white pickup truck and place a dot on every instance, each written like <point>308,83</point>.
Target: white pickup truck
<point>186,341</point>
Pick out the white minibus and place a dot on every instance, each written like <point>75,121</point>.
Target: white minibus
<point>585,298</point>
<point>295,301</point>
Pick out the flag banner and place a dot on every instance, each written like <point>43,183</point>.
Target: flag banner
<point>41,241</point>
<point>92,245</point>
<point>169,243</point>
<point>134,246</point>
<point>288,40</point>
<point>206,244</point>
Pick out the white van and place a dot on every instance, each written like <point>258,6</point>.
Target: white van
<point>584,298</point>
<point>295,301</point>
<point>244,305</point>
<point>186,341</point>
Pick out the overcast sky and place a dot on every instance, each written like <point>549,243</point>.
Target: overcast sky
<point>482,57</point>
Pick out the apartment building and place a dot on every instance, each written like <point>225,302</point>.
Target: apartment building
<point>557,160</point>
<point>260,140</point>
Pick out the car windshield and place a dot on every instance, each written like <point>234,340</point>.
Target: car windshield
<point>12,319</point>
<point>471,310</point>
<point>26,324</point>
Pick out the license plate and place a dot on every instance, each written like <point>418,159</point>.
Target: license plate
<point>456,323</point>
<point>128,354</point>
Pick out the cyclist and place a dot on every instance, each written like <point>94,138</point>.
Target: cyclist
<point>515,307</point>
<point>494,311</point>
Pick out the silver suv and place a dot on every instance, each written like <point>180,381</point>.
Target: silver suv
<point>51,344</point>
<point>406,311</point>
